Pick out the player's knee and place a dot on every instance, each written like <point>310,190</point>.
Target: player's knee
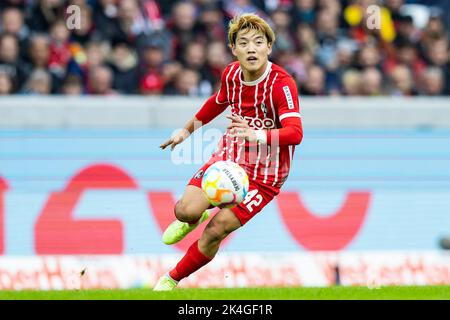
<point>184,212</point>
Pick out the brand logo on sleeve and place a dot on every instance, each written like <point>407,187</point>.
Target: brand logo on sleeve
<point>288,95</point>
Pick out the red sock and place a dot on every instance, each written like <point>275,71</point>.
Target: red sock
<point>191,262</point>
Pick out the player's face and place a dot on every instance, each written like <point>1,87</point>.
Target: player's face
<point>252,50</point>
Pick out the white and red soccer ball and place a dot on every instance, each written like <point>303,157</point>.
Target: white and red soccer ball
<point>225,184</point>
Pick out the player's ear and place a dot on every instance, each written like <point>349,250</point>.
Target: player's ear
<point>269,45</point>
<point>233,49</point>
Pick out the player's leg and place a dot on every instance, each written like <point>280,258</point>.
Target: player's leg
<point>191,205</point>
<point>201,251</point>
<point>224,222</point>
<point>190,211</point>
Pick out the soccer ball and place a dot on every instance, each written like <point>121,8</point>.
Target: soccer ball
<point>225,184</point>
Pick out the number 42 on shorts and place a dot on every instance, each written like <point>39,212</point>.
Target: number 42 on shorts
<point>252,199</point>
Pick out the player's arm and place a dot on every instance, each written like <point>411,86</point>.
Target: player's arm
<point>214,106</point>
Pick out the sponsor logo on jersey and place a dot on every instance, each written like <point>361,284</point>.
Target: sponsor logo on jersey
<point>288,95</point>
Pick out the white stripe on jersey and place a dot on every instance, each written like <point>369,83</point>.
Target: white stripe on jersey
<point>289,115</point>
<point>233,140</point>
<point>256,102</point>
<point>271,101</point>
<point>240,92</point>
<point>234,87</point>
<point>267,164</point>
<point>224,148</point>
<point>241,145</point>
<point>258,146</point>
<point>226,81</point>
<point>277,164</point>
<point>265,89</point>
<point>290,156</point>
<point>240,113</point>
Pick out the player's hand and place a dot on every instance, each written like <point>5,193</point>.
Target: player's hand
<point>239,128</point>
<point>176,139</point>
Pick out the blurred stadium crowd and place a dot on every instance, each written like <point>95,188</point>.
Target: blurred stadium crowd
<point>180,47</point>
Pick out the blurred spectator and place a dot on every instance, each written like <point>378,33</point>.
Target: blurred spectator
<point>406,30</point>
<point>315,82</point>
<point>401,81</point>
<point>20,4</point>
<point>437,55</point>
<point>100,81</point>
<point>83,34</point>
<point>148,44</point>
<point>60,54</point>
<point>10,61</point>
<point>217,59</point>
<point>351,83</point>
<point>182,24</point>
<point>12,21</point>
<point>195,59</point>
<point>304,11</point>
<point>368,56</point>
<point>6,84</point>
<point>131,21</point>
<point>44,13</point>
<point>281,25</point>
<point>151,84</point>
<point>371,79</point>
<point>39,83</point>
<point>169,72</point>
<point>235,7</point>
<point>432,82</point>
<point>212,22</point>
<point>405,53</point>
<point>124,64</point>
<point>39,51</point>
<point>186,83</point>
<point>305,38</point>
<point>394,7</point>
<point>73,85</point>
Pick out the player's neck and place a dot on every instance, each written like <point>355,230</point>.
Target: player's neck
<point>249,76</point>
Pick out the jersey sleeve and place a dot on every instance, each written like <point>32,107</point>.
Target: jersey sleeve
<point>286,99</point>
<point>287,106</point>
<point>222,95</point>
<point>217,103</point>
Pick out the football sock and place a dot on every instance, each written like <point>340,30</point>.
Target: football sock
<point>191,262</point>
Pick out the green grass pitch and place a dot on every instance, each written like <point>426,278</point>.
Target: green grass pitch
<point>329,293</point>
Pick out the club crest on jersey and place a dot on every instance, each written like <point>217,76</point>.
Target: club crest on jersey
<point>199,174</point>
<point>264,109</point>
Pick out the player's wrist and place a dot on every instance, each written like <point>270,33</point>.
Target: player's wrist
<point>261,136</point>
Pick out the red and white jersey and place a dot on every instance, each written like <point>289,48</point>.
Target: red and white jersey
<point>264,103</point>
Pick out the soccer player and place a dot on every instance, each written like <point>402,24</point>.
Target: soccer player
<point>265,127</point>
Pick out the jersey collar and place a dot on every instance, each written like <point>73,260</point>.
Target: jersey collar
<point>263,76</point>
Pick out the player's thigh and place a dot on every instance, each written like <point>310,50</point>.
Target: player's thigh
<point>221,225</point>
<point>193,202</point>
<point>258,197</point>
